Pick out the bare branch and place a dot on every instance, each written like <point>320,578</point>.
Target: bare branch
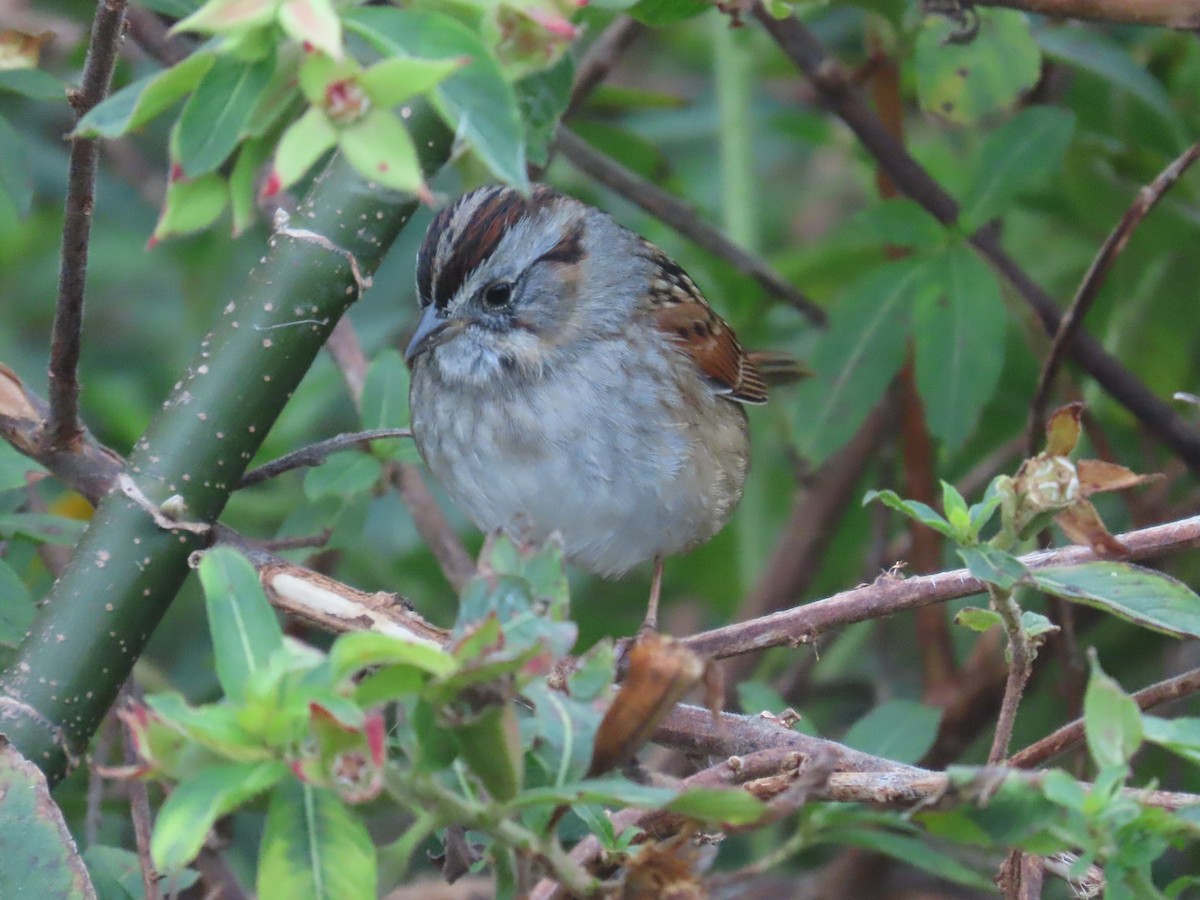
<point>315,454</point>
<point>802,624</point>
<point>64,429</point>
<point>600,59</point>
<point>837,91</point>
<point>683,219</point>
<point>1093,280</point>
<point>1184,14</point>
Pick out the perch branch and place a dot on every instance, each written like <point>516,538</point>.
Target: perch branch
<point>1183,14</point>
<point>315,454</point>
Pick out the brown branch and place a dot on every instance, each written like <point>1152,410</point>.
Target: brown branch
<point>681,217</point>
<point>149,33</point>
<point>1072,320</point>
<point>64,430</point>
<point>836,90</point>
<point>139,800</point>
<point>1020,667</point>
<point>600,58</point>
<point>1183,14</point>
<point>889,595</point>
<point>315,454</point>
<point>1071,735</point>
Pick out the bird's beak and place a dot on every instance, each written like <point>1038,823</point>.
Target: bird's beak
<point>432,320</point>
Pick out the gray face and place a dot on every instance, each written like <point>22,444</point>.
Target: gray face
<point>498,278</point>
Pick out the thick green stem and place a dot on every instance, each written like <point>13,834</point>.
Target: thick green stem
<point>126,569</point>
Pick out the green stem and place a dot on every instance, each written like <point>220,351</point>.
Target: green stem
<point>426,792</point>
<point>1019,666</point>
<point>732,64</point>
<point>126,570</point>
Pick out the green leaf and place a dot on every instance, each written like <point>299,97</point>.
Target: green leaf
<point>977,619</point>
<point>916,852</point>
<point>901,222</point>
<point>359,650</point>
<point>1142,596</point>
<point>381,148</point>
<point>231,17</point>
<point>478,102</point>
<point>196,803</point>
<point>965,81</point>
<point>42,528</point>
<point>191,205</point>
<point>314,848</point>
<point>117,873</point>
<point>305,141</point>
<point>245,632</point>
<point>857,356</point>
<point>213,117</point>
<point>251,157</point>
<point>993,566</point>
<point>542,98</point>
<point>214,726</point>
<point>38,858</point>
<point>1180,735</point>
<point>343,474</point>
<point>1095,52</point>
<point>385,393</point>
<point>958,335</point>
<point>1036,625</point>
<point>137,103</point>
<point>16,180</point>
<point>1018,156</point>
<point>914,509</point>
<point>1112,721</point>
<point>398,78</point>
<point>17,609</point>
<point>15,467</point>
<point>728,806</point>
<point>664,12</point>
<point>956,512</point>
<point>313,22</point>
<point>902,730</point>
<point>32,83</point>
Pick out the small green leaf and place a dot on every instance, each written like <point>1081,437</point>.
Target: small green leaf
<point>305,141</point>
<point>901,222</point>
<point>343,474</point>
<point>727,806</point>
<point>993,566</point>
<point>359,650</point>
<point>977,619</point>
<point>914,509</point>
<point>192,204</point>
<point>958,336</point>
<point>17,609</point>
<point>220,108</point>
<point>1180,735</point>
<point>1018,156</point>
<point>314,848</point>
<point>230,17</point>
<point>1112,721</point>
<point>982,512</point>
<point>477,101</point>
<point>1142,596</point>
<point>16,179</point>
<point>244,629</point>
<point>117,873</point>
<point>916,852</point>
<point>857,356</point>
<point>965,81</point>
<point>542,98</point>
<point>214,726</point>
<point>39,858</point>
<point>196,803</point>
<point>252,155</point>
<point>398,78</point>
<point>381,148</point>
<point>313,22</point>
<point>137,103</point>
<point>902,730</point>
<point>956,512</point>
<point>32,83</point>
<point>385,393</point>
<point>1036,625</point>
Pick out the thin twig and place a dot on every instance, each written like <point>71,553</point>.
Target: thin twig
<point>1089,288</point>
<point>600,58</point>
<point>683,219</point>
<point>1183,14</point>
<point>149,33</point>
<point>316,454</point>
<point>888,595</point>
<point>64,429</point>
<point>836,90</point>
<point>1072,734</point>
<point>1020,664</point>
<point>139,801</point>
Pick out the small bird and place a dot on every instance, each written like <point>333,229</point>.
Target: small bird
<point>567,375</point>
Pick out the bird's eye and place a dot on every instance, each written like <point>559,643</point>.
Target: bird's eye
<point>497,294</point>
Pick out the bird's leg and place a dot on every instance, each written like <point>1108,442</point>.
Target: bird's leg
<point>650,623</point>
